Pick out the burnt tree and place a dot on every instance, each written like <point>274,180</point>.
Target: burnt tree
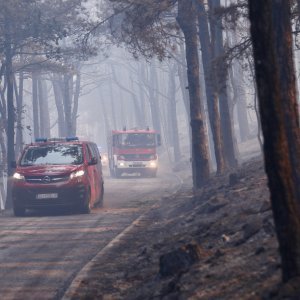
<point>187,20</point>
<point>207,52</point>
<point>8,53</point>
<point>220,73</point>
<point>275,76</point>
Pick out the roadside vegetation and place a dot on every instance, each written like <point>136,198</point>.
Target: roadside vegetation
<point>219,73</point>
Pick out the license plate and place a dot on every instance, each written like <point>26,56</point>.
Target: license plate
<point>47,196</point>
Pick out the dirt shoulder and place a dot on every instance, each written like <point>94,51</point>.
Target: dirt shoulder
<point>219,244</point>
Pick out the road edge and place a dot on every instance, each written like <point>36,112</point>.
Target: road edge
<point>70,292</point>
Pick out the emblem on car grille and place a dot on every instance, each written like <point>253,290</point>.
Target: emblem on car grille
<point>46,179</point>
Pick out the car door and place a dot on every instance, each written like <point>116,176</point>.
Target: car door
<point>91,172</point>
<point>98,171</point>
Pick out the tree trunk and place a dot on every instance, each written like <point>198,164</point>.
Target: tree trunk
<point>44,108</point>
<point>3,107</point>
<point>211,88</point>
<point>113,108</point>
<point>10,120</point>
<point>35,106</point>
<point>122,110</point>
<point>154,98</point>
<point>3,155</point>
<point>275,76</point>
<point>140,119</point>
<point>229,142</point>
<point>41,101</point>
<point>141,75</point>
<point>3,127</point>
<point>76,102</point>
<point>145,96</point>
<point>19,102</point>
<point>59,105</point>
<point>241,106</point>
<point>102,108</point>
<point>183,79</point>
<point>137,110</point>
<point>67,100</point>
<point>200,158</point>
<point>172,112</point>
<point>182,75</point>
<point>239,93</point>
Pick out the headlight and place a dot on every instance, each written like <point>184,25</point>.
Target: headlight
<point>18,176</point>
<point>77,174</point>
<point>153,164</point>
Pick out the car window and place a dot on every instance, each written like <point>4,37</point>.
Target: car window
<point>57,154</point>
<point>88,153</point>
<point>133,140</point>
<point>96,150</point>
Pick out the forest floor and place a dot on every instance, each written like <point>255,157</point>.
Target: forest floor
<point>217,244</point>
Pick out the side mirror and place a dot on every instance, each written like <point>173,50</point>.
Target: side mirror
<point>13,164</point>
<point>158,140</point>
<point>93,161</point>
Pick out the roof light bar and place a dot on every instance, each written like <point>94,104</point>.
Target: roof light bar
<point>41,140</point>
<point>72,138</point>
<point>59,139</point>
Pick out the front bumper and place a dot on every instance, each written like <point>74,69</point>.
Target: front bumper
<point>68,196</point>
<point>137,165</point>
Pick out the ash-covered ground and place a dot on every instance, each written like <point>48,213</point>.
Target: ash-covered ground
<point>219,244</point>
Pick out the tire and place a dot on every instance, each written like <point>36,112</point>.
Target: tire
<point>101,198</point>
<point>85,207</point>
<point>118,173</point>
<point>19,211</point>
<point>112,172</point>
<point>153,173</point>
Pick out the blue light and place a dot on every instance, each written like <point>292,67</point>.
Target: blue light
<point>41,140</point>
<point>72,138</point>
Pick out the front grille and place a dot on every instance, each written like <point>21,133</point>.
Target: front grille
<point>137,157</point>
<point>137,166</point>
<point>46,179</point>
<point>66,196</point>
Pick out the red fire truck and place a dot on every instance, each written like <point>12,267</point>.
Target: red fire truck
<point>133,151</point>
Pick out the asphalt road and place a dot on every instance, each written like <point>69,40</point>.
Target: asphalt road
<point>42,253</point>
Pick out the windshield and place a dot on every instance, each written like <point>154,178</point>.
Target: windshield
<point>132,140</point>
<point>57,154</point>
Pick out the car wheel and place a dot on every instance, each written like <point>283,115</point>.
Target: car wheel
<point>19,211</point>
<point>86,205</point>
<point>153,173</point>
<point>118,173</point>
<point>112,172</point>
<point>101,198</point>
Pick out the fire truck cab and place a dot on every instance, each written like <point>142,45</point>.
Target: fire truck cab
<point>133,151</point>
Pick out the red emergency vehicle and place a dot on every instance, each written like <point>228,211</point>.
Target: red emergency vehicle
<point>62,172</point>
<point>133,151</point>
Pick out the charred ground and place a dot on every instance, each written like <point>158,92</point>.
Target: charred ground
<point>219,244</point>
